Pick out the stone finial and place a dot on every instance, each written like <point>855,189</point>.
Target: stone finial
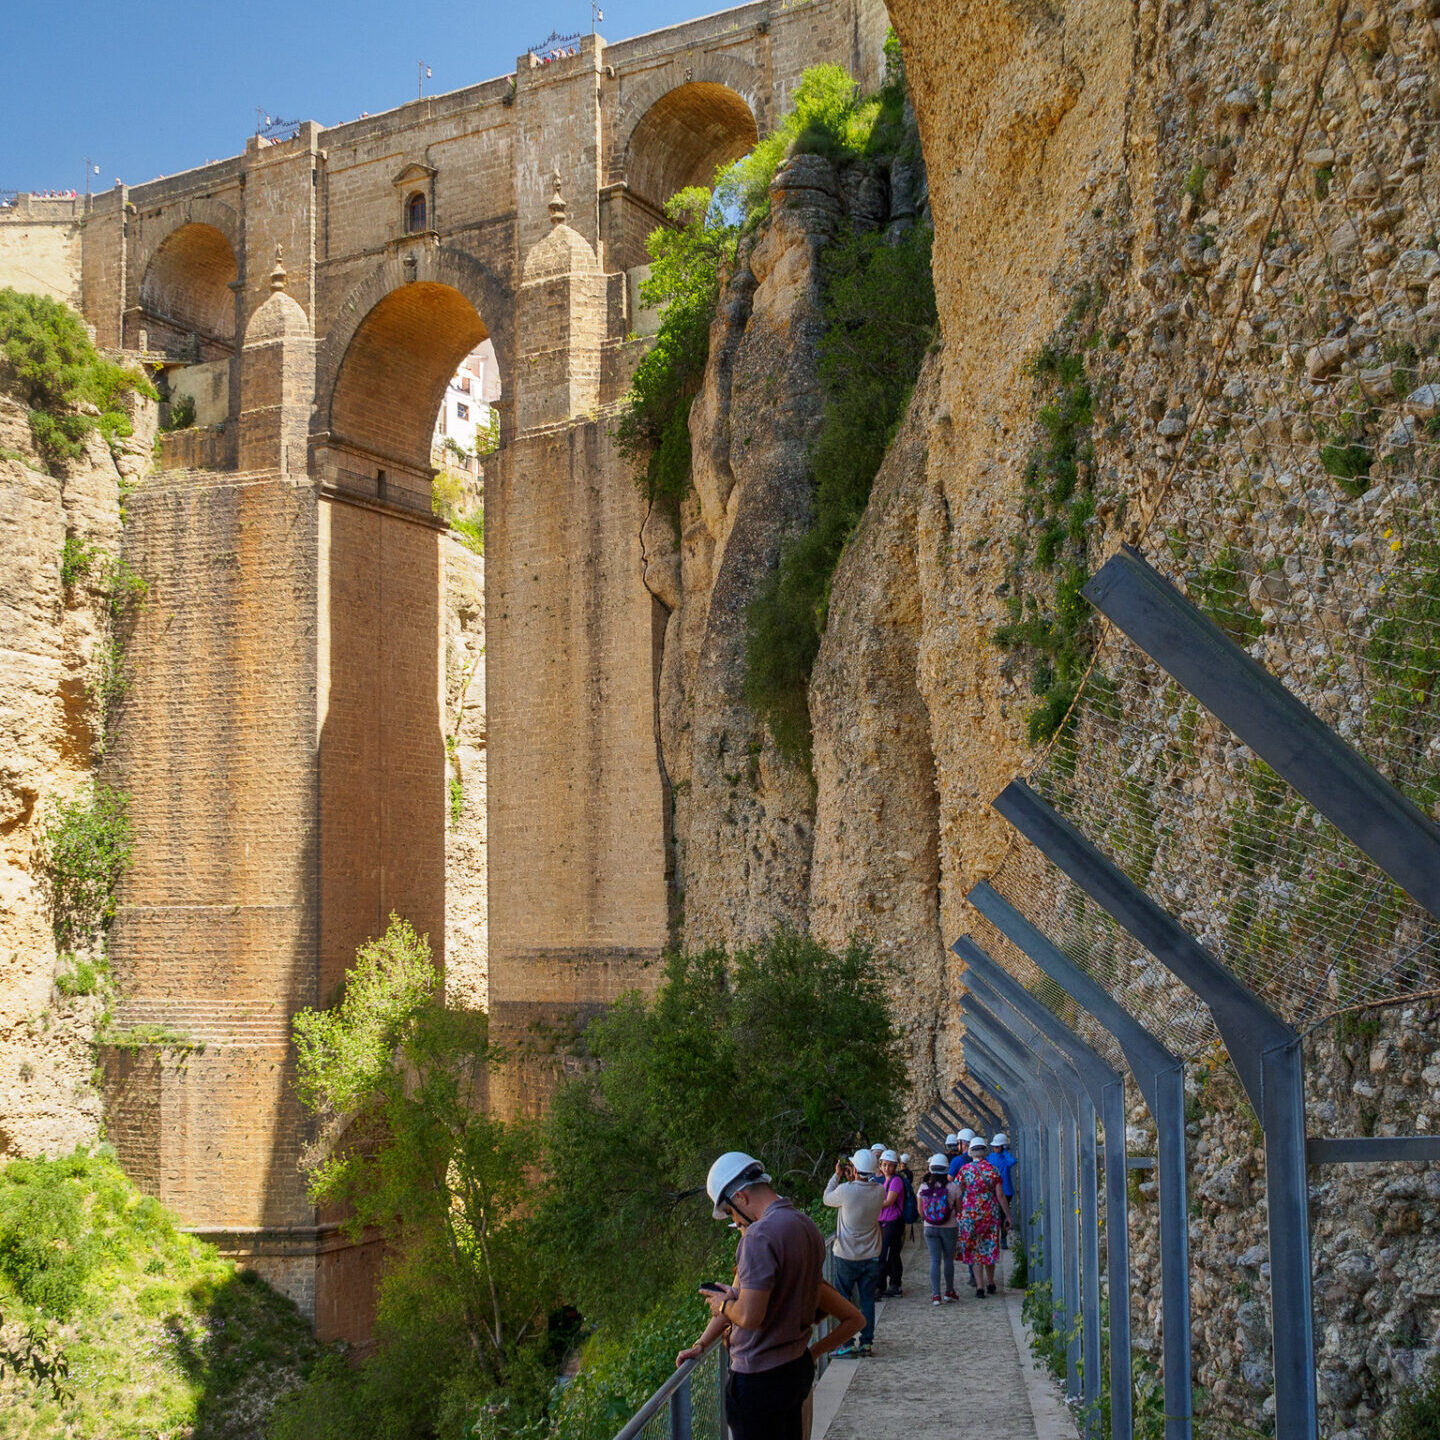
<point>278,277</point>
<point>557,200</point>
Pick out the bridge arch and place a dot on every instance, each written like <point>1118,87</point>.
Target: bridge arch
<point>186,284</point>
<point>383,368</point>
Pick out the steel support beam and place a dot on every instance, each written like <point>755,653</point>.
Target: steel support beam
<point>1373,1149</point>
<point>1241,693</point>
<point>1066,1087</point>
<point>1161,1078</point>
<point>1084,1343</point>
<point>1267,1054</point>
<point>1106,1087</point>
<point>963,1092</point>
<point>1045,1128</point>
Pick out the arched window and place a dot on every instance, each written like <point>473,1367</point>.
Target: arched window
<point>415,213</point>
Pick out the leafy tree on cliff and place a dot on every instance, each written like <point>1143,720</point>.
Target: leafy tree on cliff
<point>407,1146</point>
<point>787,1050</point>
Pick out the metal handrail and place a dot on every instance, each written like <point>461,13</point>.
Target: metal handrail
<point>680,1377</point>
<point>676,1387</point>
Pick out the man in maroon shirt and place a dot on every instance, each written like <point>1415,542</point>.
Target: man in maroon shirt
<point>772,1305</point>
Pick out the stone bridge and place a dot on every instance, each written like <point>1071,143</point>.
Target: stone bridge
<point>283,740</point>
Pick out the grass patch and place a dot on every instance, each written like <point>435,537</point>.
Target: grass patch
<point>1050,623</point>
<point>160,1334</point>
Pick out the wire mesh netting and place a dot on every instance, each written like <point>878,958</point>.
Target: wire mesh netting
<point>1295,498</point>
<point>706,1414</point>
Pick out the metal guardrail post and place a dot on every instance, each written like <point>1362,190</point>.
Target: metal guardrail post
<point>963,1092</point>
<point>1060,1231</point>
<point>680,1412</point>
<point>1265,1051</point>
<point>1243,695</point>
<point>1082,1279</point>
<point>1161,1079</point>
<point>1042,1135</point>
<point>1106,1088</point>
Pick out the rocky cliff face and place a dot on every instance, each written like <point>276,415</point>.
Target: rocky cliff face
<point>1102,180</point>
<point>53,638</point>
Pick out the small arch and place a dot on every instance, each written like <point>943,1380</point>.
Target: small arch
<point>415,213</point>
<point>186,292</point>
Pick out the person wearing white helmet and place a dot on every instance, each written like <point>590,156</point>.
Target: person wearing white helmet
<point>939,1200</point>
<point>952,1147</point>
<point>772,1305</point>
<point>982,1204</point>
<point>892,1227</point>
<point>851,1190</point>
<point>1005,1162</point>
<point>962,1155</point>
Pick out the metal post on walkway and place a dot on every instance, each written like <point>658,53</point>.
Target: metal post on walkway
<point>1065,1228</point>
<point>1082,1291</point>
<point>1161,1079</point>
<point>1023,1126</point>
<point>1042,1241</point>
<point>1106,1087</point>
<point>1266,1053</point>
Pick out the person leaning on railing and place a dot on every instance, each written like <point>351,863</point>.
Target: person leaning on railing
<point>772,1306</point>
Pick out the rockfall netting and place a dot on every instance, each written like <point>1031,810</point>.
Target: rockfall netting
<point>1291,489</point>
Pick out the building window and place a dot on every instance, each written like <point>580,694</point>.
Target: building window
<point>462,412</point>
<point>415,214</point>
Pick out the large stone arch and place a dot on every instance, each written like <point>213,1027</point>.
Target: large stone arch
<point>189,268</point>
<point>708,69</point>
<point>389,354</point>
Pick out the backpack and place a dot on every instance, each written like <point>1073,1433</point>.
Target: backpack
<point>911,1212</point>
<point>935,1204</point>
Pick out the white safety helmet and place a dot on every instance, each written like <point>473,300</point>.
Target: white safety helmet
<point>864,1161</point>
<point>877,1147</point>
<point>952,1139</point>
<point>978,1143</point>
<point>966,1135</point>
<point>939,1164</point>
<point>1001,1139</point>
<point>904,1159</point>
<point>731,1172</point>
<point>889,1155</point>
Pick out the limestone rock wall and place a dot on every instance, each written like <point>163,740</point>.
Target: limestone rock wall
<point>1132,153</point>
<point>51,743</point>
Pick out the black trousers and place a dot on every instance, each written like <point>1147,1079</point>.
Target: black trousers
<point>768,1404</point>
<point>892,1241</point>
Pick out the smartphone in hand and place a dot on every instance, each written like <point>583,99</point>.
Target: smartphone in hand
<point>713,1287</point>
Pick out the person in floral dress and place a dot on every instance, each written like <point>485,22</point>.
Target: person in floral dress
<point>982,1203</point>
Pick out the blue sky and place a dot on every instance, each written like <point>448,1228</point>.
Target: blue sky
<point>149,88</point>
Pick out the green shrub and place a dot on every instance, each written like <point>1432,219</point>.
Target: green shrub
<point>684,282</point>
<point>457,800</point>
<point>1415,1415</point>
<point>1348,463</point>
<point>84,848</point>
<point>447,496</point>
<point>788,1051</point>
<point>160,1335</point>
<point>84,977</point>
<point>76,556</point>
<point>471,531</point>
<point>180,414</point>
<point>878,302</point>
<point>48,360</point>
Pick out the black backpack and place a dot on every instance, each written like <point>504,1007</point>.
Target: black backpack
<point>911,1212</point>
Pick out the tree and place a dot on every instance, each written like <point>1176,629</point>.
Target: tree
<point>786,1050</point>
<point>397,1081</point>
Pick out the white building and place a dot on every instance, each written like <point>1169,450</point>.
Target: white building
<point>465,411</point>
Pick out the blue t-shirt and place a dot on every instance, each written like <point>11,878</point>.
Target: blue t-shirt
<point>1005,1162</point>
<point>958,1164</point>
